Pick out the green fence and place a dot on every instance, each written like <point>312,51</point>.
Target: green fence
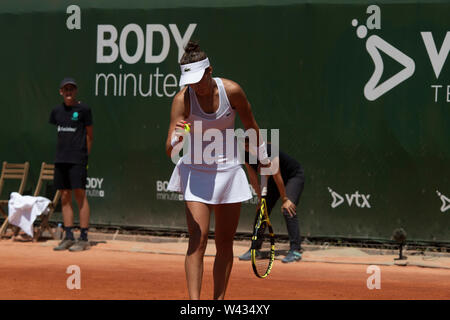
<point>360,93</point>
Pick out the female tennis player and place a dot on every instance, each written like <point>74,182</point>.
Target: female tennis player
<point>208,103</point>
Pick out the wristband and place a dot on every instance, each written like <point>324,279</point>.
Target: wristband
<point>175,138</point>
<point>262,154</point>
<point>174,141</point>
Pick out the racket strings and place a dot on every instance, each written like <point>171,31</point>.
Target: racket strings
<point>263,248</point>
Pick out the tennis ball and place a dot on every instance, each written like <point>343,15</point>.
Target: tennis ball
<point>187,127</point>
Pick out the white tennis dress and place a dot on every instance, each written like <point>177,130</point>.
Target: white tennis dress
<point>207,175</point>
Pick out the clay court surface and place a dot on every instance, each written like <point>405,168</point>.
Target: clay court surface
<point>155,271</point>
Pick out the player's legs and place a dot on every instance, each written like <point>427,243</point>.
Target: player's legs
<point>197,217</point>
<point>226,222</point>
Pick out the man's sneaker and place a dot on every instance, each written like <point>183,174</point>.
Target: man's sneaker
<point>64,245</point>
<point>248,255</point>
<point>293,255</point>
<point>80,245</point>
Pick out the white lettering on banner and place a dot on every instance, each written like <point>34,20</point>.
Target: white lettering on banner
<point>436,93</point>
<point>437,58</point>
<point>151,29</point>
<point>182,40</point>
<point>142,42</point>
<point>112,44</point>
<point>123,43</point>
<point>374,44</point>
<point>162,186</point>
<point>360,200</point>
<point>162,193</point>
<point>125,84</point>
<point>94,187</point>
<point>102,43</point>
<point>94,183</point>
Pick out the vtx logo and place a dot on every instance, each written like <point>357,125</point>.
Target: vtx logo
<point>360,200</point>
<point>374,44</point>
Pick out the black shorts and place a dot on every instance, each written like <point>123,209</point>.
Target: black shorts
<point>70,176</point>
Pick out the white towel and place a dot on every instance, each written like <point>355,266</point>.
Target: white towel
<point>23,210</point>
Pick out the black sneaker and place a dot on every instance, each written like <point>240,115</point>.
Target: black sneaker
<point>64,245</point>
<point>80,245</point>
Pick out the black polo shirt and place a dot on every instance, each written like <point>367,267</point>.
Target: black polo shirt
<point>71,123</point>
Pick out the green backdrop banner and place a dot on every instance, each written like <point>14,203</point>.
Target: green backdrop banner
<point>360,93</point>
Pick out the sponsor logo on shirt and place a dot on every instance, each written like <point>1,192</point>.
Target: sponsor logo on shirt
<point>75,116</point>
<point>66,129</point>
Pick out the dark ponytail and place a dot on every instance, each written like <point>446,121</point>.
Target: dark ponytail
<point>192,53</point>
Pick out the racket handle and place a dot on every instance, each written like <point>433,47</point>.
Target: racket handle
<point>264,180</point>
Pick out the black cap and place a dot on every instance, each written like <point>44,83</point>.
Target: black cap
<point>68,81</point>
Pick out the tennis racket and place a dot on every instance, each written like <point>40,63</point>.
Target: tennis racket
<point>263,239</point>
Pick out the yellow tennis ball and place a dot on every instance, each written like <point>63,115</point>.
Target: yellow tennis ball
<point>187,128</point>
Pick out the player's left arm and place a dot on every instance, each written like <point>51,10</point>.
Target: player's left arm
<point>239,102</point>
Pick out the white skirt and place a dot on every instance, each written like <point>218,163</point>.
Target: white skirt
<point>208,186</point>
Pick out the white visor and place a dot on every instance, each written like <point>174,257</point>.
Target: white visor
<point>193,72</point>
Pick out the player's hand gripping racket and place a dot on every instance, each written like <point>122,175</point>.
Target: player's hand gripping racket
<point>263,239</point>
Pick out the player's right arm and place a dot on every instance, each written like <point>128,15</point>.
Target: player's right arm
<point>177,116</point>
<point>253,177</point>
